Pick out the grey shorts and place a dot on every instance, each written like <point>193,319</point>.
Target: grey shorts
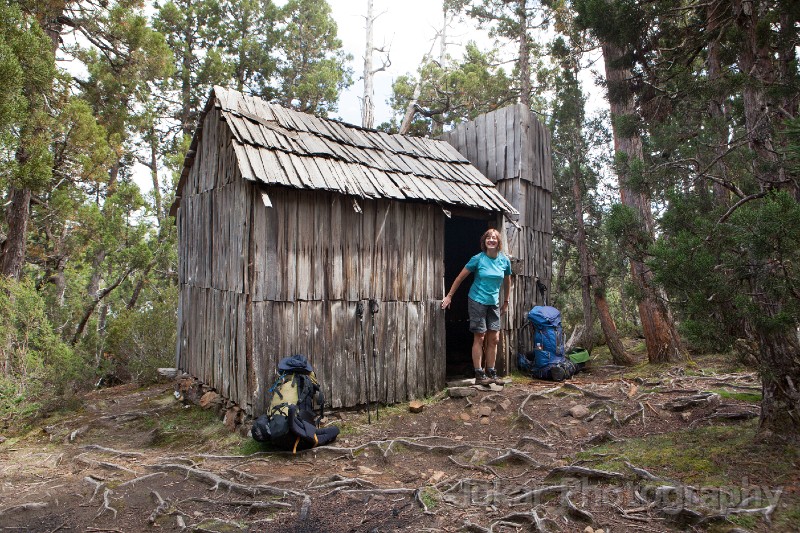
<point>483,317</point>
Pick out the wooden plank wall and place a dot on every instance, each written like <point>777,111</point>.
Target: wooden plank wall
<point>213,241</point>
<point>260,283</point>
<point>512,148</point>
<point>328,258</point>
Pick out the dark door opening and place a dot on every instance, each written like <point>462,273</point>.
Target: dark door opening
<point>461,241</point>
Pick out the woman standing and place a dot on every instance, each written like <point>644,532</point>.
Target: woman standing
<point>492,269</point>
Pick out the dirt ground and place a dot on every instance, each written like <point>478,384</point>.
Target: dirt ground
<point>506,460</point>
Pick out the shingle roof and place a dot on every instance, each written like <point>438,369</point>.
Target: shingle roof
<point>280,146</point>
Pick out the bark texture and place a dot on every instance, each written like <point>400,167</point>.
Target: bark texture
<point>661,336</point>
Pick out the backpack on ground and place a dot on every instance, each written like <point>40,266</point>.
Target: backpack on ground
<point>291,421</point>
<point>547,360</point>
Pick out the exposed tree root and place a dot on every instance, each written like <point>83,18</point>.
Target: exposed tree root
<point>161,508</point>
<point>118,453</point>
<point>305,507</point>
<point>642,473</point>
<point>30,506</point>
<point>218,482</point>
<point>589,473</point>
<point>573,510</point>
<point>481,468</point>
<point>338,481</point>
<point>514,520</point>
<point>136,480</point>
<point>688,402</point>
<point>98,486</point>
<point>251,505</point>
<point>514,454</point>
<point>106,504</point>
<point>103,464</point>
<point>587,393</point>
<point>533,496</point>
<point>525,440</point>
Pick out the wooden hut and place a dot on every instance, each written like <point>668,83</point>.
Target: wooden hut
<point>286,222</point>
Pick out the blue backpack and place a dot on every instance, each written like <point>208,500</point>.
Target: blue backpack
<point>548,336</point>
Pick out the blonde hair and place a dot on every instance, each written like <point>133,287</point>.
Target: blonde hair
<point>486,235</point>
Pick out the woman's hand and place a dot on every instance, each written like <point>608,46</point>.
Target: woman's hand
<point>504,307</point>
<point>446,302</point>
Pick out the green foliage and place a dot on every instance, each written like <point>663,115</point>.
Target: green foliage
<point>142,340</point>
<point>27,70</point>
<point>313,70</point>
<point>38,368</point>
<point>711,279</point>
<point>451,94</point>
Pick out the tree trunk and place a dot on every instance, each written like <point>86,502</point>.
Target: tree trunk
<point>780,374</point>
<point>154,174</point>
<point>411,108</point>
<point>186,77</point>
<point>618,353</point>
<point>779,350</point>
<point>367,105</point>
<point>716,106</point>
<point>558,278</point>
<point>12,252</point>
<point>583,253</point>
<point>90,307</point>
<point>524,56</point>
<point>661,337</point>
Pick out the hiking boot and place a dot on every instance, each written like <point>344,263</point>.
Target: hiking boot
<point>491,373</point>
<point>557,373</point>
<point>482,379</point>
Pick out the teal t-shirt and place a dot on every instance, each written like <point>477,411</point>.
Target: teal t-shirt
<point>489,274</point>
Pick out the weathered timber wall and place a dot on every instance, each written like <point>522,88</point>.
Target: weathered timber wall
<point>329,257</point>
<point>512,148</point>
<point>260,283</point>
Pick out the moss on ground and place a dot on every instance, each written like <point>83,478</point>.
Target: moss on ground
<point>722,456</point>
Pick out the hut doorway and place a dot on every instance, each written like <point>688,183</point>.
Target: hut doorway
<point>461,241</point>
